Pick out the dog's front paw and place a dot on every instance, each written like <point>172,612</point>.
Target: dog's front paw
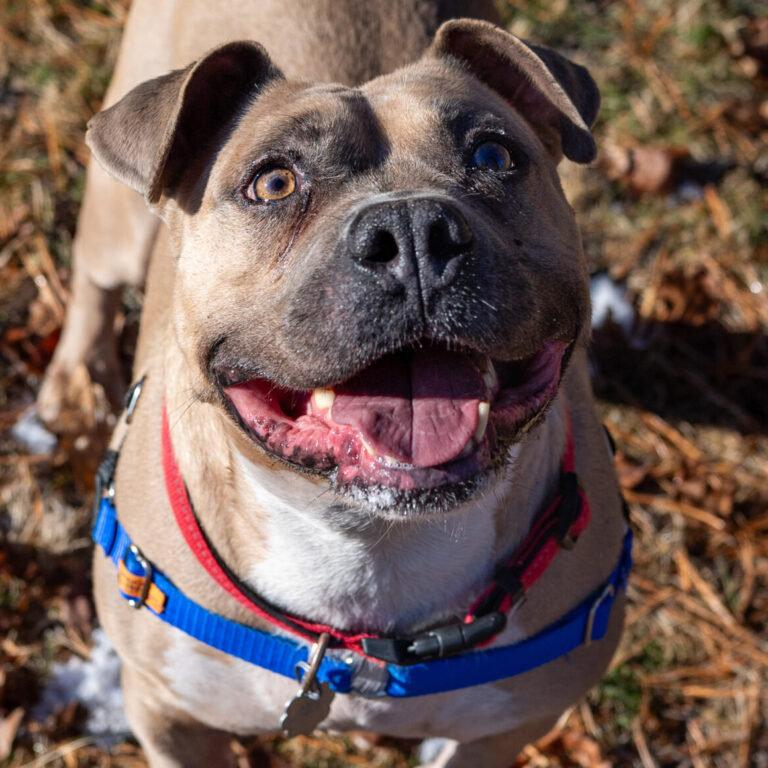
<point>77,409</point>
<point>71,402</point>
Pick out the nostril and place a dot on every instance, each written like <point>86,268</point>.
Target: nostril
<point>448,237</point>
<point>383,248</point>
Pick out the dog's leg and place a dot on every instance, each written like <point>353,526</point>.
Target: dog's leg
<point>115,232</point>
<point>171,739</point>
<point>114,239</point>
<point>498,751</point>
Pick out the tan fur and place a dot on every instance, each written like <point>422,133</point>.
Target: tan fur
<point>220,272</point>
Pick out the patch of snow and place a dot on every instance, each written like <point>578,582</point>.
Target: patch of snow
<point>32,434</point>
<point>690,192</point>
<point>430,749</point>
<point>609,302</point>
<point>95,683</point>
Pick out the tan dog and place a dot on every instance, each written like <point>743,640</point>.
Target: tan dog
<point>364,326</point>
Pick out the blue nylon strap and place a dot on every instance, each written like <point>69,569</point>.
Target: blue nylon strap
<point>280,654</point>
<point>273,652</point>
<point>558,639</point>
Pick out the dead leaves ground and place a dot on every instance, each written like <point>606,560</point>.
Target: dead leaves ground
<point>675,211</point>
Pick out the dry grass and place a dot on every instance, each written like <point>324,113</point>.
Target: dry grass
<point>683,391</point>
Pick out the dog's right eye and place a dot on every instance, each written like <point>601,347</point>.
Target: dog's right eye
<point>272,184</point>
<point>492,156</point>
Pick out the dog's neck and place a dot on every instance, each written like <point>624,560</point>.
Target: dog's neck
<point>297,544</point>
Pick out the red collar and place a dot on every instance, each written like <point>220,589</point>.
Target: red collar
<point>557,526</point>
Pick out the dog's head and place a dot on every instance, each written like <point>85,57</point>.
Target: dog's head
<point>380,283</point>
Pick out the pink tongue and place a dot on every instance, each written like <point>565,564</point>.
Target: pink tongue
<point>419,407</point>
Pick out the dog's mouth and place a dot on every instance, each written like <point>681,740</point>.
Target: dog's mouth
<point>421,418</point>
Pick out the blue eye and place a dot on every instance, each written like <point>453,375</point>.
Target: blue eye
<point>492,156</point>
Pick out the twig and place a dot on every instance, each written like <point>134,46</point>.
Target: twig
<point>642,746</point>
<point>59,751</point>
<point>664,504</point>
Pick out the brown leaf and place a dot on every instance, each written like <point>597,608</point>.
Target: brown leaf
<point>583,750</point>
<point>687,298</point>
<point>8,727</point>
<point>644,170</point>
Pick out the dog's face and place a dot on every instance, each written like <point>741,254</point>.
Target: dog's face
<point>381,284</point>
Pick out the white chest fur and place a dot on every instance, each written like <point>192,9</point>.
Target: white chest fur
<point>356,571</point>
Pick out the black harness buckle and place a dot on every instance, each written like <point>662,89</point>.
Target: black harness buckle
<point>436,643</point>
<point>103,483</point>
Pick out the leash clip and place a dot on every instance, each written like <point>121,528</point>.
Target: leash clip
<point>309,668</point>
<point>311,704</point>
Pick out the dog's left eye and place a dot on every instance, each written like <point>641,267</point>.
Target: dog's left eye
<point>492,156</point>
<point>272,184</point>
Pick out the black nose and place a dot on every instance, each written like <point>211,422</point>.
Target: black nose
<point>416,242</point>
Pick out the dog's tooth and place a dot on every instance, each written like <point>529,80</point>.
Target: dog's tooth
<point>483,413</point>
<point>488,372</point>
<point>323,399</point>
<point>369,449</point>
<point>467,450</point>
<point>390,460</point>
<point>490,377</point>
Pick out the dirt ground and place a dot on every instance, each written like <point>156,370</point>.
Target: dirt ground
<point>673,214</point>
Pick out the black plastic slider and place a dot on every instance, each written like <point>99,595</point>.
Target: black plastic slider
<point>568,511</point>
<point>104,477</point>
<point>509,580</point>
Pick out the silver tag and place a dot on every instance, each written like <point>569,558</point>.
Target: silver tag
<point>312,702</point>
<point>306,710</point>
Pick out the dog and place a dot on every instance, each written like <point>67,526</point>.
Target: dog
<point>362,448</point>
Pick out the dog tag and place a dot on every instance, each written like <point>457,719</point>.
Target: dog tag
<point>306,710</point>
<point>312,702</point>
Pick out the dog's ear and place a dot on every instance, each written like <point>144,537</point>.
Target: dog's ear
<point>158,130</point>
<point>557,97</point>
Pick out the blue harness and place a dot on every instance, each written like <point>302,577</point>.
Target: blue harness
<point>348,672</point>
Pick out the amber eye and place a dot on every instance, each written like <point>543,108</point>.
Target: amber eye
<point>492,156</point>
<point>272,184</point>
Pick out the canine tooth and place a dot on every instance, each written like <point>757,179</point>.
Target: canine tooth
<point>490,377</point>
<point>483,413</point>
<point>488,372</point>
<point>369,449</point>
<point>390,460</point>
<point>468,450</point>
<point>323,398</point>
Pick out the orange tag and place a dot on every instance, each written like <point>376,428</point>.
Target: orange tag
<point>132,585</point>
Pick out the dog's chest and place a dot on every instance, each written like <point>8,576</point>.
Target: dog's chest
<point>386,577</point>
<point>383,576</point>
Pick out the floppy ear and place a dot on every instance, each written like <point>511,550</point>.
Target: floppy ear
<point>163,126</point>
<point>558,98</point>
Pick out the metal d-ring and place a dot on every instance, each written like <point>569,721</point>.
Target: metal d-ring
<point>306,671</point>
<point>607,592</point>
<point>138,602</point>
<point>132,398</point>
